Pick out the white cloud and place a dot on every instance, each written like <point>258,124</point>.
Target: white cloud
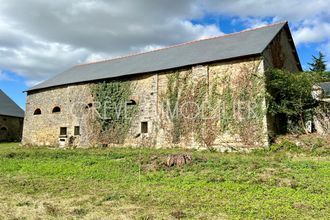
<point>312,33</point>
<point>308,19</point>
<point>293,10</point>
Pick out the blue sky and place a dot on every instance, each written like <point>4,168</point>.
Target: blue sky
<point>39,39</point>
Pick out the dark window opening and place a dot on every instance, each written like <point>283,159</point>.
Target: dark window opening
<point>37,112</point>
<point>56,109</point>
<point>76,130</point>
<point>3,132</point>
<point>144,127</point>
<point>130,102</point>
<point>90,105</point>
<point>63,131</point>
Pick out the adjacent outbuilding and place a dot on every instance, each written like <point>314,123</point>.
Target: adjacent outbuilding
<point>11,119</point>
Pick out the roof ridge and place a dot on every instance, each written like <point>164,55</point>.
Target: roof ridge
<point>181,44</point>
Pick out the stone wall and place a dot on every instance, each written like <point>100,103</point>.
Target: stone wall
<point>216,75</point>
<point>44,128</point>
<point>77,105</point>
<point>10,128</point>
<point>279,54</point>
<point>77,109</point>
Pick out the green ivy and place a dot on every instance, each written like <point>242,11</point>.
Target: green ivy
<point>114,115</point>
<point>218,99</point>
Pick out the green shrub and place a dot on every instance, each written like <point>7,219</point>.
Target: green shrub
<point>285,145</point>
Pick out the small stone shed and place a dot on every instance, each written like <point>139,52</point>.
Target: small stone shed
<point>226,70</point>
<point>11,119</point>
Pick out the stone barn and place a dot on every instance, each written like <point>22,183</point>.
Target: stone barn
<point>11,119</point>
<point>202,94</point>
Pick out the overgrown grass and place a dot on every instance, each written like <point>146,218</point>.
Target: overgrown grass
<point>119,183</point>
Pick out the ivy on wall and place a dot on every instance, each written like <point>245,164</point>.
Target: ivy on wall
<point>227,104</point>
<point>171,105</point>
<point>250,111</point>
<point>114,116</point>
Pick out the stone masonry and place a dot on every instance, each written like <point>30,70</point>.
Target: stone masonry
<point>10,128</point>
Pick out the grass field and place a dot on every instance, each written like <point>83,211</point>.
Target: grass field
<point>128,183</point>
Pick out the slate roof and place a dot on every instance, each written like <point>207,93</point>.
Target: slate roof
<point>8,107</point>
<point>326,88</point>
<point>241,44</point>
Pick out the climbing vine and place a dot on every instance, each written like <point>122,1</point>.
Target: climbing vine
<point>205,109</point>
<point>114,116</point>
<point>171,105</point>
<point>249,108</point>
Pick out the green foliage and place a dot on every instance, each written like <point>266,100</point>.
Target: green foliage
<point>207,109</point>
<point>282,184</point>
<point>172,101</point>
<point>291,94</point>
<point>242,101</point>
<point>318,64</point>
<point>285,146</point>
<point>227,100</point>
<point>192,108</point>
<point>114,115</point>
<point>320,76</point>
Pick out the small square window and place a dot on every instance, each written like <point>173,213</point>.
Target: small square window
<point>144,127</point>
<point>76,130</point>
<point>63,131</point>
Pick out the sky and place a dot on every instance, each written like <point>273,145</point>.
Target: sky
<point>41,38</point>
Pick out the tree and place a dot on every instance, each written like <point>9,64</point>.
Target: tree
<point>318,63</point>
<point>290,94</point>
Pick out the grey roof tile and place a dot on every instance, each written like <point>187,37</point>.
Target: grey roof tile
<point>8,107</point>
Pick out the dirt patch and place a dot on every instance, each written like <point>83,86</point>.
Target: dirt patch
<point>167,161</point>
<point>178,160</point>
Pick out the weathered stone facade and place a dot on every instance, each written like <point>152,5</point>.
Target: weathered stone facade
<point>227,81</point>
<point>44,128</point>
<point>10,128</point>
<point>73,101</point>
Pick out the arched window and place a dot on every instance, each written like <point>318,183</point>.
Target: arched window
<point>37,112</point>
<point>3,129</point>
<point>56,109</point>
<point>130,102</point>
